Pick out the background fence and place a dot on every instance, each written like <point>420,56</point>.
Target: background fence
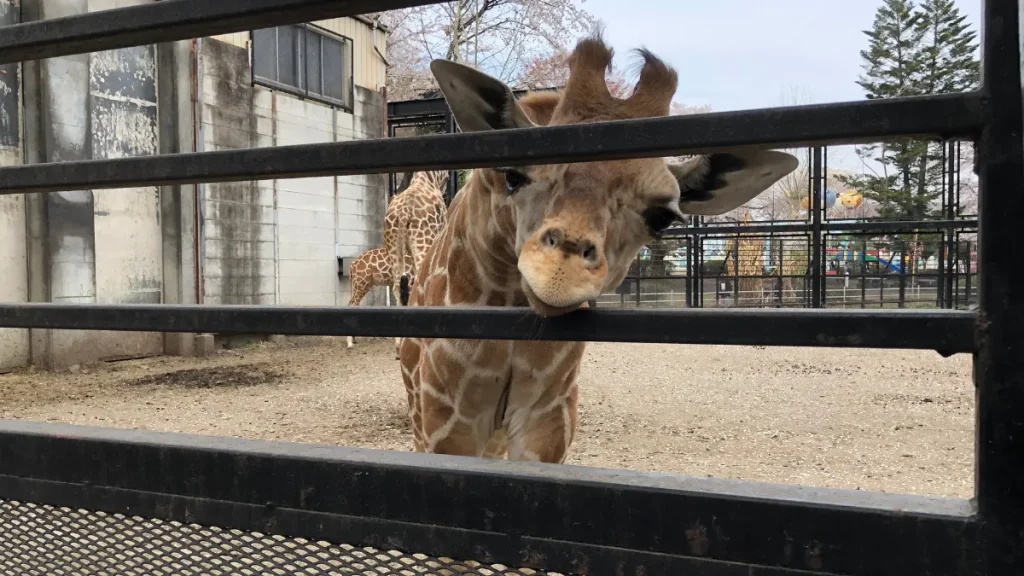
<point>781,252</point>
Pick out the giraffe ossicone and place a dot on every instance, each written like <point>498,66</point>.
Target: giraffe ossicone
<point>550,237</point>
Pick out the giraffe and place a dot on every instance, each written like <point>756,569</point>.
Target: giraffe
<point>550,237</point>
<point>369,269</point>
<point>411,223</point>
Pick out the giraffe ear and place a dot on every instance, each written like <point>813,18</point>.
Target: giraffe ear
<point>717,183</point>
<point>478,101</point>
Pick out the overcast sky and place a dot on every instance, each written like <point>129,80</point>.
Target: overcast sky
<point>739,54</point>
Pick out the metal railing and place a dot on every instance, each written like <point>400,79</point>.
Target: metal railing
<point>546,517</point>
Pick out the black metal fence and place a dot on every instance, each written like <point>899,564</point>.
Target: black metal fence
<point>775,263</point>
<point>88,500</point>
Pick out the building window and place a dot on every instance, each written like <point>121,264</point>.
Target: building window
<point>304,60</point>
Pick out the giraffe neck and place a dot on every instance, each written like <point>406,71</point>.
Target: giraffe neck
<point>480,254</point>
<point>432,180</point>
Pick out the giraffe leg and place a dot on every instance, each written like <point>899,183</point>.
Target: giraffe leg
<point>361,284</point>
<point>497,445</point>
<point>543,433</point>
<point>541,416</point>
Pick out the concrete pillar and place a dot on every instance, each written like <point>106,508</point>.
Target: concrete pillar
<point>175,80</point>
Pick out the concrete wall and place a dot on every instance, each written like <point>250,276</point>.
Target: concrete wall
<point>276,241</point>
<point>262,242</point>
<point>14,344</point>
<point>86,246</point>
<point>128,251</point>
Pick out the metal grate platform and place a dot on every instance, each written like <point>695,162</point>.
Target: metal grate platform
<point>41,540</point>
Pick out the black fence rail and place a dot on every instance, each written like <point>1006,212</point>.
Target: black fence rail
<point>78,499</point>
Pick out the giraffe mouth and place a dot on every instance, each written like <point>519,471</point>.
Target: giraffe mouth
<point>544,309</point>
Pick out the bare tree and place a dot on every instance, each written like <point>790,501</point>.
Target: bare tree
<point>500,37</point>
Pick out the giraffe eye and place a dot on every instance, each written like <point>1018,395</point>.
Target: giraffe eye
<point>658,218</point>
<point>515,180</point>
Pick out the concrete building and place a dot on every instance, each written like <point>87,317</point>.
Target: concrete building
<point>259,242</point>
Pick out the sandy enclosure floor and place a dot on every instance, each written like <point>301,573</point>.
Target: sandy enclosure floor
<point>890,420</point>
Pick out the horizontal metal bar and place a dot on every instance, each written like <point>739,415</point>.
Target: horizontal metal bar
<point>947,332</point>
<point>426,108</point>
<point>826,227</point>
<point>423,109</point>
<point>168,21</point>
<point>543,516</point>
<point>943,116</point>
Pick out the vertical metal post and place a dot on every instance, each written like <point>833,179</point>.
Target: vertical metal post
<point>689,273</point>
<point>952,167</point>
<point>967,278</point>
<point>999,361</point>
<point>816,209</point>
<point>392,180</point>
<point>697,254</point>
<point>903,273</point>
<point>782,265</point>
<point>736,274</point>
<point>699,280</point>
<point>881,287</point>
<point>863,273</point>
<point>453,175</point>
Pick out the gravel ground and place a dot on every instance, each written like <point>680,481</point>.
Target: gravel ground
<point>890,420</point>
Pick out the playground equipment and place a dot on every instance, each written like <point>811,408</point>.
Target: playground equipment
<point>847,254</point>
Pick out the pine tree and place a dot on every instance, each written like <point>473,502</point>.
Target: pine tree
<point>948,49</point>
<point>892,68</point>
<point>913,50</point>
<point>948,65</point>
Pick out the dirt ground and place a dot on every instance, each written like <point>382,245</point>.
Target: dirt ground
<point>892,420</point>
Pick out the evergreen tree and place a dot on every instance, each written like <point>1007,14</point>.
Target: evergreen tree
<point>913,50</point>
<point>948,49</point>
<point>892,68</point>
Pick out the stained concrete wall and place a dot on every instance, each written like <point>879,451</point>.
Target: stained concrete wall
<point>102,246</point>
<point>128,251</point>
<point>264,242</point>
<point>276,241</point>
<point>14,344</point>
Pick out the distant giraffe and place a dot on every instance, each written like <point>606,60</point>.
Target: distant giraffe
<point>412,221</point>
<point>369,269</point>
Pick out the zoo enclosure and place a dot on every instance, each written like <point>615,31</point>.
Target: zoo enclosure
<point>798,263</point>
<point>74,498</point>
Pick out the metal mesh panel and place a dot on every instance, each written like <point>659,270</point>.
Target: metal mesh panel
<point>41,540</point>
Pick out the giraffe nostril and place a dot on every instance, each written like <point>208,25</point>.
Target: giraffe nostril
<point>552,238</point>
<point>588,251</point>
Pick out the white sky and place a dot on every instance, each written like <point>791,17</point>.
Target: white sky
<point>740,54</point>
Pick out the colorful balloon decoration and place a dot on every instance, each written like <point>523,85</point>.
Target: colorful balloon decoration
<point>830,200</point>
<point>851,199</point>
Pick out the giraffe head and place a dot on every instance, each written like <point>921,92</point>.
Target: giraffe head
<point>578,226</point>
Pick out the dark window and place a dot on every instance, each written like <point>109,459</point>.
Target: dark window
<point>304,60</point>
